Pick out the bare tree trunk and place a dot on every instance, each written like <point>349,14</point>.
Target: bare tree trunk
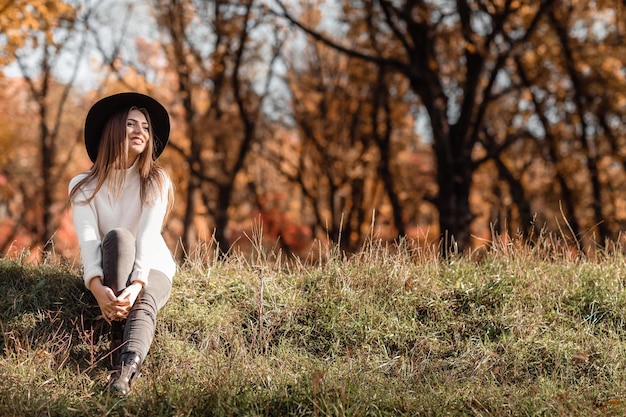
<point>454,179</point>
<point>587,143</point>
<point>49,128</point>
<point>518,195</point>
<point>384,146</point>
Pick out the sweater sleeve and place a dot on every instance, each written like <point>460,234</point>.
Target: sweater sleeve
<point>148,234</point>
<point>86,226</point>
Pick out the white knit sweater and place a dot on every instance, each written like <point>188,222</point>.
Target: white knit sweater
<point>94,220</point>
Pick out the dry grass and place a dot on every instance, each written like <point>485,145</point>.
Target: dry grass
<point>519,330</point>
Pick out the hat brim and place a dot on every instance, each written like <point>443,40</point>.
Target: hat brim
<point>102,110</point>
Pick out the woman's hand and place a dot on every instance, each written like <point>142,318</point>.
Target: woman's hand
<point>130,294</point>
<point>110,306</point>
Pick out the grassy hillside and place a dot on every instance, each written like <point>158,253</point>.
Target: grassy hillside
<point>518,331</point>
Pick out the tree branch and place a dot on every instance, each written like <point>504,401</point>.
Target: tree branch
<point>385,62</point>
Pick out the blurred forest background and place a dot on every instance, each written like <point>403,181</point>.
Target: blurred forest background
<point>446,122</point>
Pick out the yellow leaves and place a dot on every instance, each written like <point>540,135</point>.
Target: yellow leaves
<point>6,145</point>
<point>21,19</point>
<point>526,95</point>
<point>470,47</point>
<point>311,102</point>
<point>312,15</point>
<point>432,63</point>
<point>615,67</point>
<point>529,58</point>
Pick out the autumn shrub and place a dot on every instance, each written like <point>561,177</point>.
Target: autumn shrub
<point>393,330</point>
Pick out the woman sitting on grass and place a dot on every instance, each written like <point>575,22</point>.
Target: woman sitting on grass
<point>118,208</point>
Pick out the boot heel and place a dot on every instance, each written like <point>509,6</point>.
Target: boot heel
<point>123,380</point>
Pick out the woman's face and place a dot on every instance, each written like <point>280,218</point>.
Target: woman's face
<point>137,134</point>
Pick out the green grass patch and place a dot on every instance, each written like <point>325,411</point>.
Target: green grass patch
<point>380,333</point>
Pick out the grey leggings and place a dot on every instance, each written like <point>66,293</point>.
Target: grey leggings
<point>118,258</point>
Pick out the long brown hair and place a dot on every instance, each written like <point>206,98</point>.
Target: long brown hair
<point>112,161</point>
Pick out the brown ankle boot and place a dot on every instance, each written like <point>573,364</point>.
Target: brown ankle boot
<point>129,370</point>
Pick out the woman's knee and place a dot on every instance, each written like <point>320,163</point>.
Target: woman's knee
<point>119,236</point>
<point>159,288</point>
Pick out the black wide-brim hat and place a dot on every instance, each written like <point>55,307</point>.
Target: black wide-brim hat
<point>103,109</point>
